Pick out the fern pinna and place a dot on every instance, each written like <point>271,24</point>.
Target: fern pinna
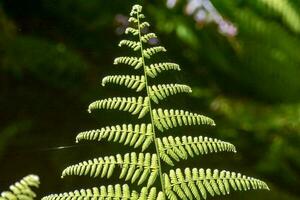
<point>22,189</point>
<point>146,168</point>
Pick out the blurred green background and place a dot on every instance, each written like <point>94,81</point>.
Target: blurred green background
<point>54,53</point>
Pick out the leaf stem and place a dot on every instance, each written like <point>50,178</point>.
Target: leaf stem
<point>150,108</point>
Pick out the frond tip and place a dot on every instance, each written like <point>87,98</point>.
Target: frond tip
<point>166,119</point>
<point>22,189</point>
<point>128,134</point>
<point>136,9</point>
<point>133,105</point>
<point>199,183</point>
<point>134,167</point>
<point>180,148</point>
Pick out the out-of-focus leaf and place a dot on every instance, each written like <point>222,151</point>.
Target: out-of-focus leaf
<point>46,61</point>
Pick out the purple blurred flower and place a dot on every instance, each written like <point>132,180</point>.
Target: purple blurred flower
<point>171,3</point>
<point>122,24</point>
<point>205,12</point>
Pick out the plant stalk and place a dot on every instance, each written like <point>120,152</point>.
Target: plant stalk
<point>150,109</point>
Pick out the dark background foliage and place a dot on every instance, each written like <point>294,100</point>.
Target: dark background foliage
<point>53,55</point>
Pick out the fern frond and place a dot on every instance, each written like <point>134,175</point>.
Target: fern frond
<point>153,50</point>
<point>131,44</point>
<point>131,30</point>
<point>154,69</point>
<point>22,189</point>
<point>198,184</point>
<point>166,119</point>
<point>146,167</point>
<point>131,61</point>
<point>132,105</point>
<point>145,38</point>
<point>180,148</point>
<point>109,192</point>
<point>161,92</point>
<point>132,82</point>
<point>139,134</point>
<point>134,167</point>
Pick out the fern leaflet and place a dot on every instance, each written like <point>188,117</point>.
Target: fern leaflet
<point>166,119</point>
<point>132,61</point>
<point>198,184</point>
<point>132,82</point>
<point>133,105</point>
<point>181,148</point>
<point>154,69</point>
<point>131,44</point>
<point>137,135</point>
<point>141,166</point>
<point>145,38</point>
<point>160,92</point>
<point>22,189</point>
<point>132,31</point>
<point>148,53</point>
<point>109,192</point>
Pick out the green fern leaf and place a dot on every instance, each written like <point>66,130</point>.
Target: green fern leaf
<point>109,192</point>
<point>133,105</point>
<point>133,20</point>
<point>144,25</point>
<point>132,61</point>
<point>132,31</point>
<point>194,184</point>
<point>137,135</point>
<point>132,82</point>
<point>133,167</point>
<point>145,38</point>
<point>146,168</point>
<point>153,50</point>
<point>166,119</point>
<point>154,69</point>
<point>22,189</point>
<point>131,44</point>
<point>180,148</point>
<point>141,16</point>
<point>161,92</point>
